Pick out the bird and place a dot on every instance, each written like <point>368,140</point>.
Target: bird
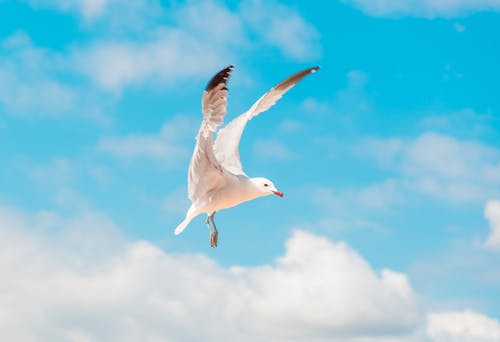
<point>216,179</point>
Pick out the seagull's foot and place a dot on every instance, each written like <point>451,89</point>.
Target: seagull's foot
<point>213,239</point>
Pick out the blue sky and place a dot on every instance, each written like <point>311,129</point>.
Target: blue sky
<point>388,156</point>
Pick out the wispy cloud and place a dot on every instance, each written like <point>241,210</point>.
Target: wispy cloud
<point>459,27</point>
<point>492,214</point>
<point>172,43</point>
<point>26,82</point>
<point>31,84</point>
<point>424,8</point>
<point>439,165</point>
<point>283,27</point>
<point>271,149</point>
<point>165,146</point>
<point>113,11</point>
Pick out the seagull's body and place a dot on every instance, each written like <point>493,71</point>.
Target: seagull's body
<point>216,179</point>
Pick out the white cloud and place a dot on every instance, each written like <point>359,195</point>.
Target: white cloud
<point>176,202</point>
<point>271,149</point>
<point>291,126</point>
<point>30,83</point>
<point>197,44</point>
<point>165,147</point>
<point>113,11</point>
<point>464,122</point>
<point>376,197</point>
<point>177,42</point>
<point>57,170</point>
<point>76,278</point>
<point>193,45</point>
<point>356,207</point>
<point>462,326</point>
<point>25,84</point>
<point>492,214</point>
<point>424,8</point>
<point>440,165</point>
<point>170,56</point>
<point>283,27</point>
<point>459,27</point>
<point>315,106</point>
<point>89,8</point>
<point>353,98</point>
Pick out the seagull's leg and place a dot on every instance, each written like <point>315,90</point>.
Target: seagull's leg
<point>210,231</point>
<point>216,232</point>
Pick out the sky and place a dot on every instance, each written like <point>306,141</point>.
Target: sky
<point>388,156</point>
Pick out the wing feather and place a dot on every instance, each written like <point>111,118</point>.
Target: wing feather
<point>228,138</point>
<point>205,172</point>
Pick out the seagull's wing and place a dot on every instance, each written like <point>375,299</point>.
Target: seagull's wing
<point>205,172</point>
<point>228,138</point>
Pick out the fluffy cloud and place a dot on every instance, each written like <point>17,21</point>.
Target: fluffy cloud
<point>424,8</point>
<point>31,82</point>
<point>492,214</point>
<point>462,326</point>
<point>77,278</point>
<point>176,43</point>
<point>439,165</point>
<point>165,147</point>
<point>192,44</point>
<point>197,44</point>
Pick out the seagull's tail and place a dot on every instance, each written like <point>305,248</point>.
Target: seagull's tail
<point>182,225</point>
<point>189,216</point>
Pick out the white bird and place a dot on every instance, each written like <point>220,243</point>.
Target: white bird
<point>216,179</point>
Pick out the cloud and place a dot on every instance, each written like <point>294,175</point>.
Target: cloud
<point>464,122</point>
<point>114,11</point>
<point>176,202</point>
<point>26,84</point>
<point>462,326</point>
<point>165,147</point>
<point>354,98</point>
<point>70,278</point>
<point>281,26</point>
<point>423,8</point>
<point>31,83</point>
<point>88,8</point>
<point>167,45</point>
<point>492,214</point>
<point>271,150</point>
<point>459,27</point>
<point>196,44</point>
<point>188,44</point>
<point>171,55</point>
<point>439,165</point>
<point>291,126</point>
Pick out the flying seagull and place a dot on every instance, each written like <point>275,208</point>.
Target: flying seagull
<point>216,179</point>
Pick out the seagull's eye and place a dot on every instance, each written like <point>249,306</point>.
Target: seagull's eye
<point>266,184</point>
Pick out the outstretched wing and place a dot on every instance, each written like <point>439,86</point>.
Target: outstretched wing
<point>228,139</point>
<point>205,172</point>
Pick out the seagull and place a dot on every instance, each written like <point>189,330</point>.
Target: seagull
<point>216,179</point>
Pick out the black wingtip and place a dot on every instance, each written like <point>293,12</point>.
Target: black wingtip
<point>220,77</point>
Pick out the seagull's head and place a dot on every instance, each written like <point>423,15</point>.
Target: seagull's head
<point>266,187</point>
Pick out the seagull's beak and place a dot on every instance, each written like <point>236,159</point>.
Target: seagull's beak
<point>278,193</point>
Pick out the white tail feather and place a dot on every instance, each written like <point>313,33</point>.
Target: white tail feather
<point>182,226</point>
<point>192,213</point>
